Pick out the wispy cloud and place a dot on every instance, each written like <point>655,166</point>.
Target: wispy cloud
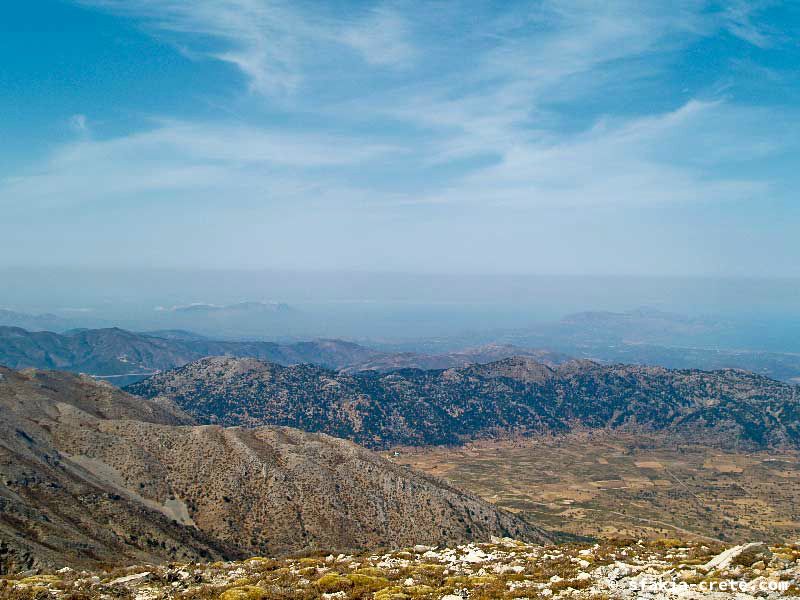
<point>572,51</point>
<point>241,163</point>
<point>497,108</point>
<point>382,37</point>
<point>388,113</point>
<point>262,38</point>
<point>272,42</point>
<point>79,123</point>
<point>551,50</point>
<point>740,19</point>
<point>624,164</point>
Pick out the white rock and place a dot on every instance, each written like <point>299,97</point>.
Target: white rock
<point>500,569</point>
<point>583,576</point>
<point>474,556</point>
<point>451,597</point>
<point>749,552</point>
<point>408,581</point>
<point>334,596</point>
<point>130,578</point>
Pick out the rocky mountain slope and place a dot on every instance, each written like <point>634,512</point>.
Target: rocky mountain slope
<point>43,322</point>
<point>504,568</point>
<point>517,395</point>
<point>90,475</point>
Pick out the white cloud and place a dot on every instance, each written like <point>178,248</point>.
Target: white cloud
<point>382,38</point>
<point>272,42</point>
<point>262,38</point>
<point>557,49</point>
<point>500,113</point>
<point>623,164</point>
<point>494,109</point>
<point>79,123</point>
<point>739,17</point>
<point>235,162</point>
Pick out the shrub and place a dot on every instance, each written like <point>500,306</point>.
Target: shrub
<point>245,592</point>
<point>333,582</point>
<point>369,582</point>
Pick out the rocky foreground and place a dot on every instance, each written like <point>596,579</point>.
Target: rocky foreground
<point>504,568</point>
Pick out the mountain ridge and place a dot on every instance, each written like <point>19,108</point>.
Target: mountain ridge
<point>509,397</point>
<point>125,356</point>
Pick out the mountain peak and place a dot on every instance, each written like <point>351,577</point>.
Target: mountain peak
<point>522,368</point>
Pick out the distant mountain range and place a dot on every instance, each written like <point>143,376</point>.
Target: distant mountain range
<point>91,476</point>
<point>235,309</point>
<point>508,397</point>
<point>642,336</point>
<point>124,357</point>
<point>241,320</point>
<point>43,322</point>
<point>649,336</point>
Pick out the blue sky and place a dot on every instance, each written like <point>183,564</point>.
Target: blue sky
<point>577,137</point>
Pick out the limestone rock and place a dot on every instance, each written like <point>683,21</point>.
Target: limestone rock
<point>746,554</point>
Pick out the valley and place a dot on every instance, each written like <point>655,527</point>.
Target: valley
<point>623,485</point>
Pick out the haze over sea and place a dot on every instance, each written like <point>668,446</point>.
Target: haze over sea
<point>765,312</point>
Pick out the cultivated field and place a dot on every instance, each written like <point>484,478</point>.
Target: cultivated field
<point>623,485</point>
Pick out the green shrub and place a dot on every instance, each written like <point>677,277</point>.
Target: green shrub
<point>245,592</point>
<point>333,582</point>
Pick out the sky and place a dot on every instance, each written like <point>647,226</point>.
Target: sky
<point>578,137</point>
